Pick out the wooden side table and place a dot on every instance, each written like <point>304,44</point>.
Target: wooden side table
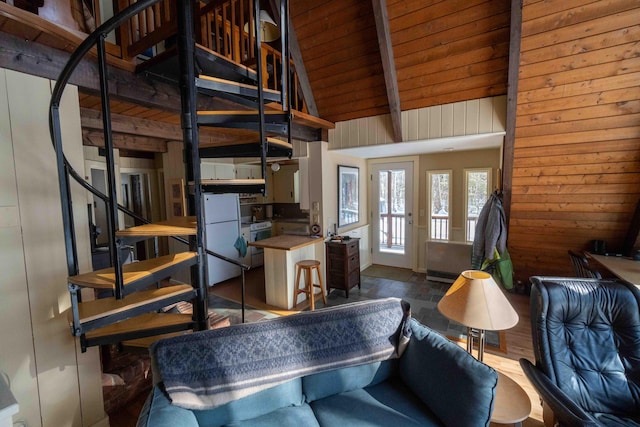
<point>343,264</point>
<point>512,404</point>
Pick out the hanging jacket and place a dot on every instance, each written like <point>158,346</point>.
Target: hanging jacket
<point>489,249</point>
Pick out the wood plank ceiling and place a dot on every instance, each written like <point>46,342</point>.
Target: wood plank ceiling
<point>445,51</point>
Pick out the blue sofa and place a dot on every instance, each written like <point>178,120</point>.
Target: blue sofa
<point>360,364</point>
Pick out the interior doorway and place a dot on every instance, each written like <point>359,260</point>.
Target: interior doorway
<point>136,196</point>
<point>99,181</point>
<point>392,213</point>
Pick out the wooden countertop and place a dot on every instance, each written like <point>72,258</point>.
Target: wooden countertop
<point>286,242</point>
<point>623,267</point>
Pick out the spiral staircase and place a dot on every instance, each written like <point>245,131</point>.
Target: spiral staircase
<point>137,294</point>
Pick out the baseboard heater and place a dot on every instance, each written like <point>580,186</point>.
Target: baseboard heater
<point>441,276</point>
<point>446,260</point>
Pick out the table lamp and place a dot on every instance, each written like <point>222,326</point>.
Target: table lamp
<point>475,301</point>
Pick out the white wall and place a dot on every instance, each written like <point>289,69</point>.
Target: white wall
<point>330,163</point>
<point>54,383</point>
<point>473,117</point>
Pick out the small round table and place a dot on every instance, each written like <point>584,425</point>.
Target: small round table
<point>512,404</point>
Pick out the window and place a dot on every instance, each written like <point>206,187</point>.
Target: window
<point>439,204</point>
<point>477,183</point>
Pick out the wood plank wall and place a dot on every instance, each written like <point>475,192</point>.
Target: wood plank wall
<point>449,51</point>
<point>340,52</point>
<point>576,174</point>
<point>445,51</point>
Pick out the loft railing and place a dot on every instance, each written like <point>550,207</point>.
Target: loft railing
<point>222,26</point>
<point>272,62</point>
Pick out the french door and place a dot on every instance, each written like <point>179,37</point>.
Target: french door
<point>392,213</point>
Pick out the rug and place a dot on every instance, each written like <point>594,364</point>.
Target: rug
<point>422,294</point>
<point>387,272</point>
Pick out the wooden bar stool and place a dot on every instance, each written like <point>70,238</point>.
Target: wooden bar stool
<point>308,265</point>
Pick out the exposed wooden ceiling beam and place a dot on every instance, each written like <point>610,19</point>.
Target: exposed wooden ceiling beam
<point>128,125</point>
<point>388,65</point>
<point>39,60</point>
<point>92,119</point>
<point>512,104</point>
<point>296,55</point>
<point>125,141</point>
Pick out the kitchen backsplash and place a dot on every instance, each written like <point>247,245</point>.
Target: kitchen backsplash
<point>289,210</point>
<point>280,210</point>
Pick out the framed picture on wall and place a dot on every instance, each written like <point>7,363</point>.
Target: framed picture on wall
<point>177,199</point>
<point>348,195</point>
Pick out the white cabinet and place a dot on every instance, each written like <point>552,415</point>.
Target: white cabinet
<point>284,187</point>
<point>225,171</point>
<point>301,184</point>
<point>244,171</point>
<point>211,170</point>
<point>208,170</point>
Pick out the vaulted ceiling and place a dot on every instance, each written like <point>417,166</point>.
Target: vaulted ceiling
<point>441,51</point>
<point>444,51</point>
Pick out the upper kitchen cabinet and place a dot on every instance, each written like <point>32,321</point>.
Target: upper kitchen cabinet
<point>251,171</point>
<point>210,170</point>
<point>285,185</point>
<point>246,171</point>
<point>291,185</point>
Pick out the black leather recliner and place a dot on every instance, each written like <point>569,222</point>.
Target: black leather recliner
<point>586,342</point>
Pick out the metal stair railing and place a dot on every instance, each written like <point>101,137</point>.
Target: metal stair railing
<point>190,129</point>
<point>65,169</point>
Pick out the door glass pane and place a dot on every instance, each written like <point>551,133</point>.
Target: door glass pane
<point>392,211</point>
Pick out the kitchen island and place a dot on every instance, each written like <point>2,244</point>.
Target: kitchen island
<point>280,256</point>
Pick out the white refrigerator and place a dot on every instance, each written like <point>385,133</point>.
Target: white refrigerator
<point>222,228</point>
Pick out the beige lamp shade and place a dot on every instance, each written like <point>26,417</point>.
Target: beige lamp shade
<point>475,300</point>
<point>268,28</point>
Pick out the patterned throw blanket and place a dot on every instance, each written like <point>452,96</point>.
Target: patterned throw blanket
<point>208,369</point>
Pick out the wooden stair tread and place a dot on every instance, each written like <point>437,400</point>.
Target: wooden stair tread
<point>242,85</point>
<point>147,321</point>
<point>202,49</point>
<point>279,142</point>
<point>176,226</point>
<point>248,181</point>
<point>166,67</point>
<point>272,141</point>
<point>311,121</point>
<point>146,342</point>
<point>105,278</point>
<point>271,116</point>
<point>96,309</point>
<point>245,113</point>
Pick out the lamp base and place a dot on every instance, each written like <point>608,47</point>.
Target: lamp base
<point>472,335</point>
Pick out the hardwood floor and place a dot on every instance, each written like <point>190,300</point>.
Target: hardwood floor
<point>518,345</point>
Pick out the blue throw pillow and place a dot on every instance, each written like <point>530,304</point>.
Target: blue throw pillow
<point>458,388</point>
